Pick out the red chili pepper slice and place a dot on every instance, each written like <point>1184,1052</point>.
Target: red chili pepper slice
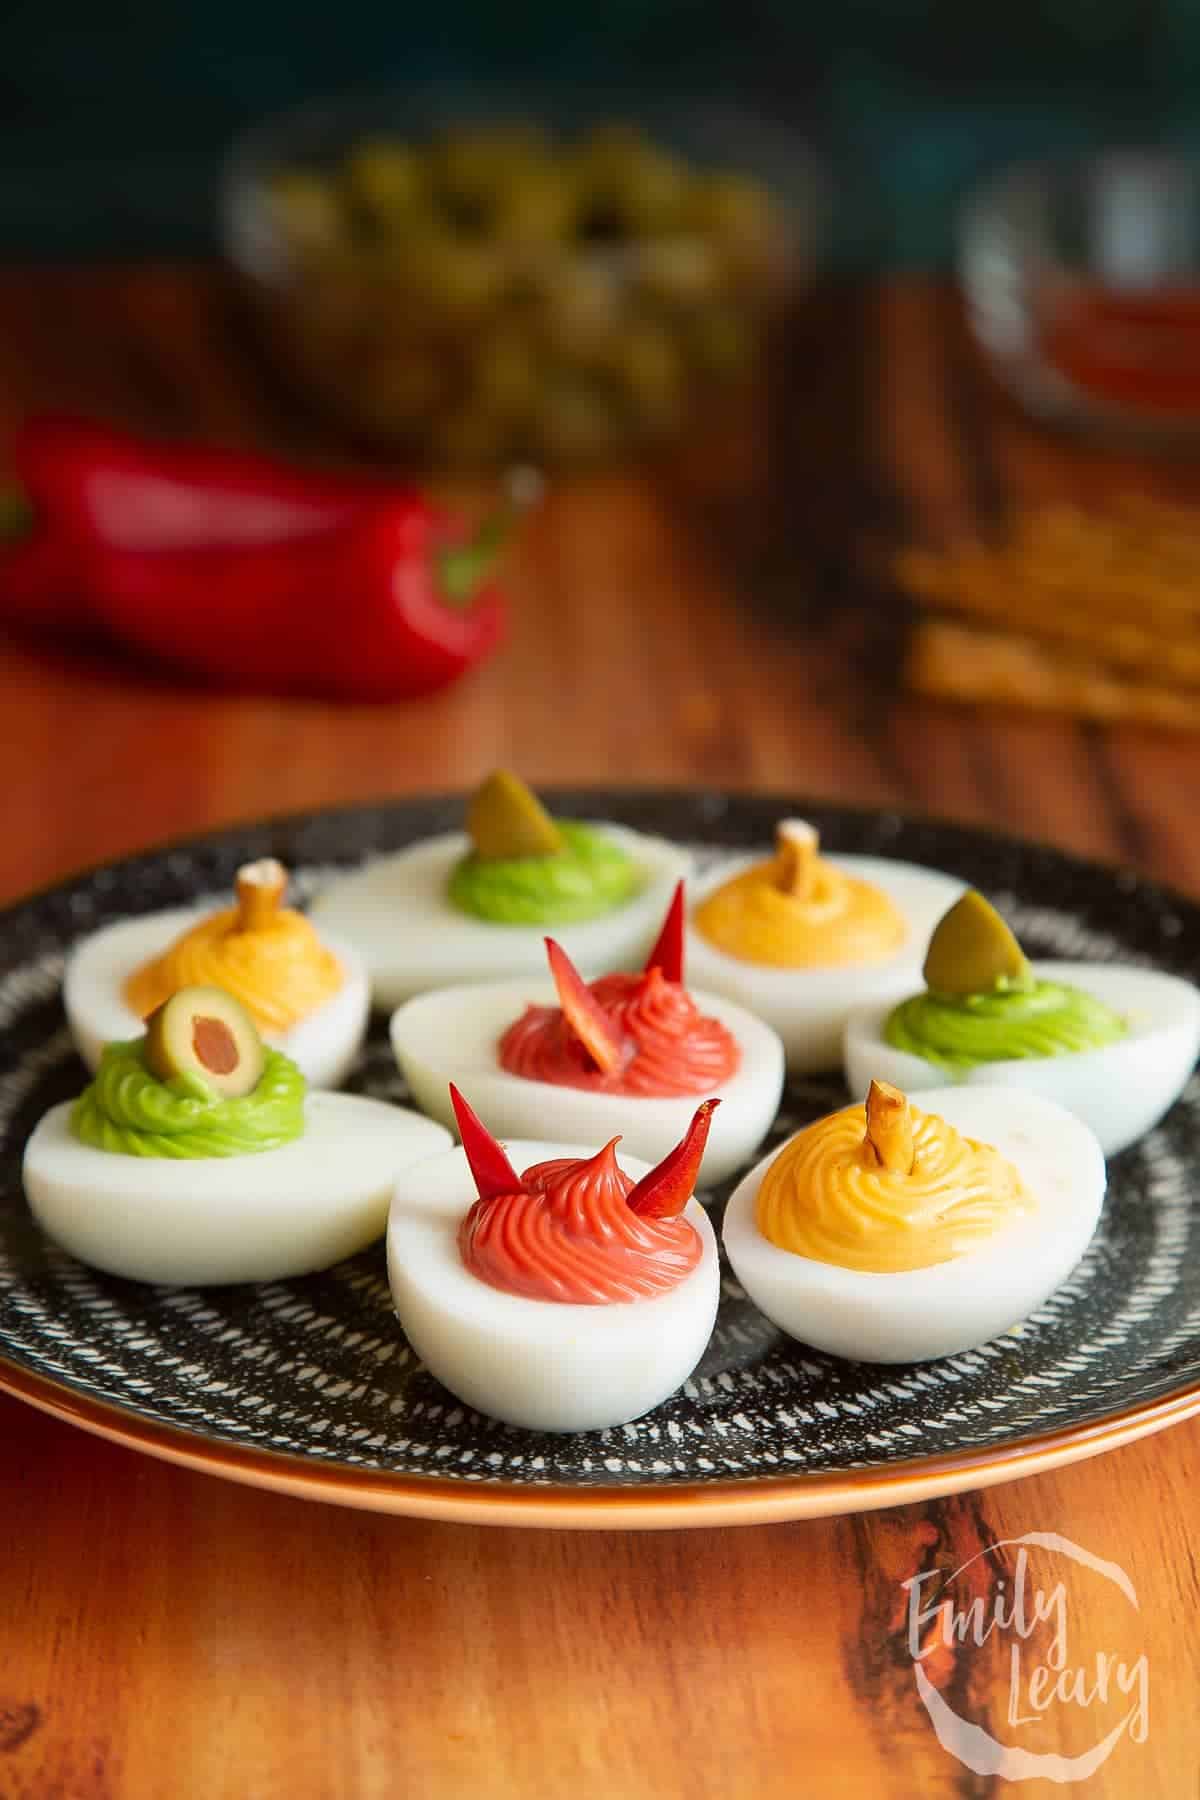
<point>667,954</point>
<point>666,1190</point>
<point>583,1013</point>
<point>493,1174</point>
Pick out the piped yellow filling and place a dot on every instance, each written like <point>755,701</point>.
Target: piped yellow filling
<point>899,1190</point>
<point>267,956</point>
<point>797,911</point>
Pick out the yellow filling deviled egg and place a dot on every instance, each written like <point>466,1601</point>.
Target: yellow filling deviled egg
<point>801,938</point>
<point>888,1233</point>
<point>306,991</point>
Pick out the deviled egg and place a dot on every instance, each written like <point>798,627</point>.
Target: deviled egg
<point>891,1234</point>
<point>196,1157</point>
<point>630,1053</point>
<point>801,938</point>
<point>473,905</point>
<point>575,1295</point>
<point>1114,1044</point>
<point>307,993</point>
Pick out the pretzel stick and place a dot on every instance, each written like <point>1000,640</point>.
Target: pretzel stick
<point>955,662</point>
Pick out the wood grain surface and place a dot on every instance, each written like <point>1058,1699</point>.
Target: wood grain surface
<point>164,1634</point>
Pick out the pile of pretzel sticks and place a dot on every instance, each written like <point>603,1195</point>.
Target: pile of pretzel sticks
<point>1081,613</point>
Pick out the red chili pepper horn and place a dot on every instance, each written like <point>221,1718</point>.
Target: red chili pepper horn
<point>661,1194</point>
<point>666,1190</point>
<point>494,1174</point>
<point>667,954</point>
<point>586,1018</point>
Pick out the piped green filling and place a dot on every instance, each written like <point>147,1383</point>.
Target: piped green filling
<point>128,1111</point>
<point>1008,1025</point>
<point>591,876</point>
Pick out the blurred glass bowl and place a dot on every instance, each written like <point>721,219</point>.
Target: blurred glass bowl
<point>1082,280</point>
<point>476,277</point>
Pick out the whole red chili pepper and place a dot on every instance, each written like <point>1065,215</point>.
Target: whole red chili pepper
<point>105,485</point>
<point>38,581</point>
<point>367,610</point>
<point>247,571</point>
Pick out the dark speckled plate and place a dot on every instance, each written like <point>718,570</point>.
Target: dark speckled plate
<point>308,1386</point>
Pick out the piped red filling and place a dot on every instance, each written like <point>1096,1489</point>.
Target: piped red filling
<point>580,1230</point>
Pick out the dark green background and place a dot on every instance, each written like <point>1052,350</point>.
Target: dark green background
<point>116,112</point>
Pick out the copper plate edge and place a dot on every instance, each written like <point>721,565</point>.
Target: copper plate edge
<point>671,1506</point>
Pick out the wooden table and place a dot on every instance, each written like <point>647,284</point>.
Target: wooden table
<point>162,1633</point>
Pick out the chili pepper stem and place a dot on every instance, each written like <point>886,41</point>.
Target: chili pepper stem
<point>463,568</point>
<point>16,514</point>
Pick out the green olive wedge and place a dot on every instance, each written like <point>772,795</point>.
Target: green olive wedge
<point>204,1031</point>
<point>506,820</point>
<point>972,950</point>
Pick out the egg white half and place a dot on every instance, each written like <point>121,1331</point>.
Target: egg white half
<point>395,911</point>
<point>808,1007</point>
<point>323,1045</point>
<point>209,1220</point>
<point>1120,1089</point>
<point>953,1306</point>
<point>453,1036</point>
<point>537,1363</point>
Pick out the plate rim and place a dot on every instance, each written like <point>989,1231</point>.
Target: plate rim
<point>675,1505</point>
<point>758,1499</point>
<point>667,792</point>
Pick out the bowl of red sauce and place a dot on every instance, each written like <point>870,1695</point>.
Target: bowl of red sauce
<point>1082,283</point>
